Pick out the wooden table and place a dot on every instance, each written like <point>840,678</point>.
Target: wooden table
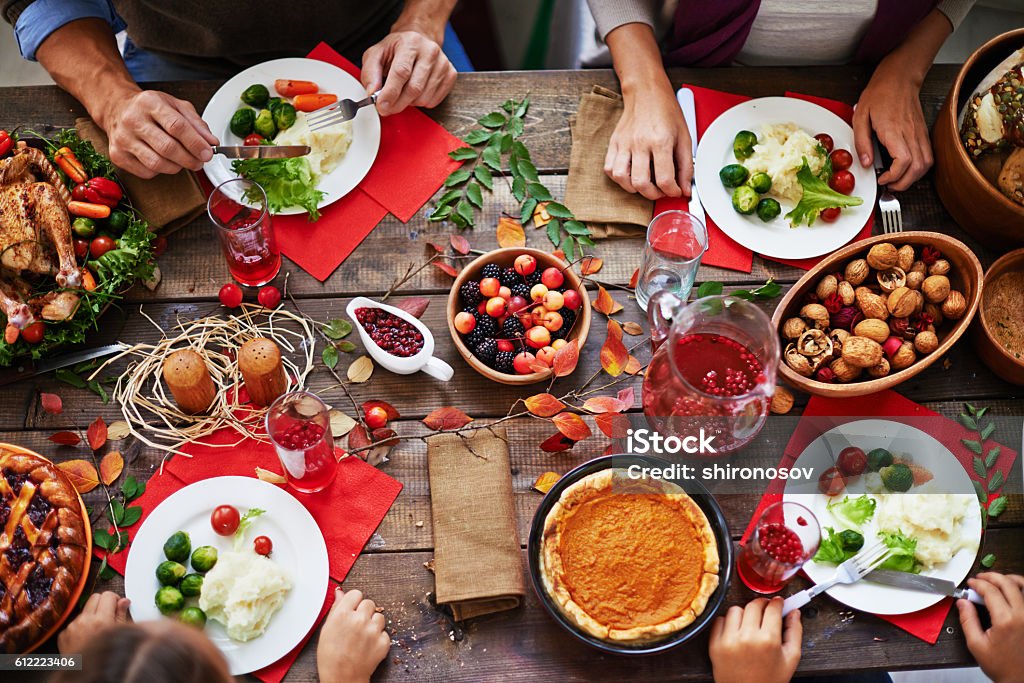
<point>523,644</point>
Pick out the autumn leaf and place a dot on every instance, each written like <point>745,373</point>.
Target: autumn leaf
<point>446,418</point>
<point>118,430</point>
<point>537,365</point>
<point>546,481</point>
<point>360,370</point>
<point>82,474</point>
<point>604,404</point>
<point>392,412</point>
<point>559,254</point>
<point>633,328</point>
<point>605,303</point>
<point>460,244</point>
<point>634,278</point>
<point>541,217</point>
<point>51,403</point>
<point>510,233</point>
<point>270,477</point>
<point>572,426</point>
<point>436,247</point>
<point>97,434</point>
<point>613,425</point>
<point>341,424</point>
<point>385,436</point>
<point>357,439</point>
<point>566,358</point>
<point>110,467</point>
<point>627,397</point>
<point>65,438</point>
<point>591,265</point>
<point>556,443</point>
<point>633,366</point>
<point>446,268</point>
<point>544,405</point>
<point>415,306</point>
<point>614,355</point>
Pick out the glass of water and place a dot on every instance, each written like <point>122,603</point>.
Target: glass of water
<point>676,241</point>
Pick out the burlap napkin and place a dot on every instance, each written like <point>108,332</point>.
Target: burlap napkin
<point>167,202</point>
<point>595,198</point>
<point>477,563</point>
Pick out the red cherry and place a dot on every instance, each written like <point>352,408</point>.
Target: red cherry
<point>231,295</point>
<point>269,296</point>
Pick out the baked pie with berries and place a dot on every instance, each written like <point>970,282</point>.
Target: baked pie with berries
<point>43,548</point>
<point>629,561</point>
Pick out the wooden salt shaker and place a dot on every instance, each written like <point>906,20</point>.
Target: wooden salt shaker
<point>259,360</point>
<point>189,380</point>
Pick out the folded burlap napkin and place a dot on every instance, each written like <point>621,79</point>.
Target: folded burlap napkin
<point>477,563</point>
<point>167,202</point>
<point>592,196</point>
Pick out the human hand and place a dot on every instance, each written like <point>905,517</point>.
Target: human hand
<point>652,130</point>
<point>352,641</point>
<point>151,132</point>
<point>750,643</point>
<point>101,611</point>
<point>997,649</point>
<point>409,69</point>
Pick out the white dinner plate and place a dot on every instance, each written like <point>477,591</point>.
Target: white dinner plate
<point>950,477</point>
<point>776,238</point>
<point>299,549</point>
<point>365,126</point>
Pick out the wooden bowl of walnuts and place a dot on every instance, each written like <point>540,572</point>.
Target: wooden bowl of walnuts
<point>877,312</point>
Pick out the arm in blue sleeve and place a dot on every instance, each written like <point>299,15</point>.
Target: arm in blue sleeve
<point>43,17</point>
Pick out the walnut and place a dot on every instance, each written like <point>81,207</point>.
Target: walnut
<point>873,329</point>
<point>782,400</point>
<point>940,267</point>
<point>903,302</point>
<point>844,370</point>
<point>905,257</point>
<point>793,328</point>
<point>904,357</point>
<point>870,304</point>
<point>892,278</point>
<point>955,305</point>
<point>815,314</point>
<point>935,312</point>
<point>826,287</point>
<point>862,352</point>
<point>915,279</point>
<point>919,267</point>
<point>856,271</point>
<point>925,342</point>
<point>838,336</point>
<point>797,361</point>
<point>883,256</point>
<point>846,293</point>
<point>880,370</point>
<point>935,288</point>
<point>814,343</point>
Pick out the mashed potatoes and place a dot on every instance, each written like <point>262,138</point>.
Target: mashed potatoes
<point>327,146</point>
<point>936,520</point>
<point>779,152</point>
<point>242,592</point>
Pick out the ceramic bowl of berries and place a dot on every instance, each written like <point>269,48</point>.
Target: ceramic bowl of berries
<point>398,341</point>
<point>511,310</point>
<point>877,312</point>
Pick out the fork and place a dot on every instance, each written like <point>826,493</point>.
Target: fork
<point>892,216</point>
<point>851,571</point>
<point>339,112</point>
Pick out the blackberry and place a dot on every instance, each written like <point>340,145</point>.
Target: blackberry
<point>486,351</point>
<point>486,325</point>
<point>568,319</point>
<point>491,270</point>
<point>513,328</point>
<point>471,310</point>
<point>471,293</point>
<point>533,278</point>
<point>503,362</point>
<point>474,338</point>
<point>521,289</point>
<point>509,277</point>
<point>560,333</point>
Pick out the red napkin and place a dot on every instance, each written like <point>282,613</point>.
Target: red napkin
<point>926,624</point>
<point>722,250</point>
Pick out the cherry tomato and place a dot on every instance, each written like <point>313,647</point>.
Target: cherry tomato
<point>831,214</point>
<point>224,520</point>
<point>376,417</point>
<point>842,182</point>
<point>81,248</point>
<point>159,246</point>
<point>33,334</point>
<point>101,245</point>
<point>852,461</point>
<point>826,141</point>
<point>231,295</point>
<point>841,160</point>
<point>269,297</point>
<point>253,139</point>
<point>262,545</point>
<point>831,482</point>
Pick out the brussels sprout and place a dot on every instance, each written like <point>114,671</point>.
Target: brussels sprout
<point>169,599</point>
<point>203,558</point>
<point>851,541</point>
<point>898,477</point>
<point>768,209</point>
<point>242,122</point>
<point>169,573</point>
<point>275,102</point>
<point>178,547</point>
<point>191,586</point>
<point>284,116</point>
<point>879,458</point>
<point>193,616</point>
<point>83,227</point>
<point>744,199</point>
<point>264,124</point>
<point>256,95</point>
<point>118,221</point>
<point>761,182</point>
<point>743,144</point>
<point>733,175</point>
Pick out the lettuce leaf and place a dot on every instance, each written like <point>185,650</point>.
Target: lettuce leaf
<point>853,511</point>
<point>287,182</point>
<point>817,197</point>
<point>830,551</point>
<point>902,558</point>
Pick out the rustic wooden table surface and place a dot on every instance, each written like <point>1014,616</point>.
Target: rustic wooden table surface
<point>525,643</point>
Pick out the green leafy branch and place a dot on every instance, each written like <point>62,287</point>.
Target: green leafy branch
<point>769,290</point>
<point>990,480</point>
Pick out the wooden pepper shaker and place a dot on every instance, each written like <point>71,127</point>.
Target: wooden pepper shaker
<point>189,380</point>
<point>259,360</point>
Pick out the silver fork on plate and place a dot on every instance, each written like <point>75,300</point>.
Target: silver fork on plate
<point>892,216</point>
<point>343,110</point>
<point>851,571</point>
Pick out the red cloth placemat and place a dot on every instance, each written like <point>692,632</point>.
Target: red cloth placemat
<point>722,250</point>
<point>926,624</point>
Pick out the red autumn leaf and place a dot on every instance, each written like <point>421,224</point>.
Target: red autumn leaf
<point>65,438</point>
<point>627,397</point>
<point>97,434</point>
<point>634,278</point>
<point>614,355</point>
<point>385,436</point>
<point>82,474</point>
<point>460,244</point>
<point>556,443</point>
<point>591,265</point>
<point>566,358</point>
<point>510,233</point>
<point>614,425</point>
<point>543,405</point>
<point>51,403</point>
<point>446,268</point>
<point>447,418</point>
<point>537,365</point>
<point>572,426</point>
<point>388,408</point>
<point>633,328</point>
<point>359,439</point>
<point>559,254</point>
<point>414,305</point>
<point>110,467</point>
<point>605,303</point>
<point>603,404</point>
<point>633,366</point>
<point>436,247</point>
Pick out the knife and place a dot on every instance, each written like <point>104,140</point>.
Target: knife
<point>927,584</point>
<point>262,151</point>
<point>685,98</point>
<point>31,369</point>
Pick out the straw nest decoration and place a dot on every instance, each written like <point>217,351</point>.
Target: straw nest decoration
<point>150,410</point>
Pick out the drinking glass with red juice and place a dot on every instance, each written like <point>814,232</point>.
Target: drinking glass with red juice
<point>238,209</point>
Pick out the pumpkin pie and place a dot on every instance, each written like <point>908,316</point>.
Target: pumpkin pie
<point>628,560</point>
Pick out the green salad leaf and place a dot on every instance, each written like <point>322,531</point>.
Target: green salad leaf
<point>817,197</point>
<point>287,182</point>
<point>902,558</point>
<point>838,547</point>
<point>853,511</point>
<point>243,525</point>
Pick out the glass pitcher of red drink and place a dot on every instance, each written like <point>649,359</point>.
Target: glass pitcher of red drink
<point>713,370</point>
